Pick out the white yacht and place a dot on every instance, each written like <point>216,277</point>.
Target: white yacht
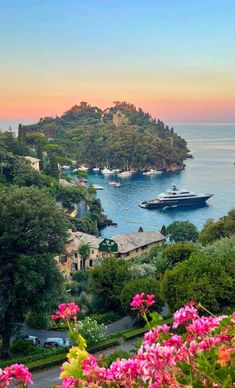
<point>175,197</point>
<point>124,174</point>
<point>98,187</point>
<point>152,172</point>
<point>107,171</point>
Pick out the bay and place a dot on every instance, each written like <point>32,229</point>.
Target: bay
<point>211,170</point>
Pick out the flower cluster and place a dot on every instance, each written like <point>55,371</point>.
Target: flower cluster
<point>142,302</point>
<point>16,372</point>
<point>66,311</point>
<point>165,358</point>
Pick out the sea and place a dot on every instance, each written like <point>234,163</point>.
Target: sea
<point>211,170</point>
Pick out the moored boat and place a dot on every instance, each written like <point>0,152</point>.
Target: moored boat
<point>107,171</point>
<point>152,172</point>
<point>125,174</point>
<point>175,197</point>
<point>98,187</point>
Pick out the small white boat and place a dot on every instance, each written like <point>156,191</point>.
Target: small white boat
<point>124,174</point>
<point>151,172</point>
<point>98,187</point>
<point>106,171</point>
<point>83,168</point>
<point>65,167</point>
<point>96,169</point>
<point>114,183</point>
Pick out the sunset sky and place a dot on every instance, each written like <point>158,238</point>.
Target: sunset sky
<point>174,58</point>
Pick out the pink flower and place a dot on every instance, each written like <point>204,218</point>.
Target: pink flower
<point>164,328</point>
<point>233,317</point>
<point>18,372</point>
<point>185,314</point>
<point>142,302</point>
<point>202,326</point>
<point>174,340</point>
<point>69,382</point>
<point>66,311</point>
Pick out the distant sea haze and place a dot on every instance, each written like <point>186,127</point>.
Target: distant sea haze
<point>13,124</point>
<point>6,124</point>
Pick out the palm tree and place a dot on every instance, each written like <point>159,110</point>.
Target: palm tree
<point>84,251</point>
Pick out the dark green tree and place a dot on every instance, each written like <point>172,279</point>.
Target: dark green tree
<point>206,278</point>
<point>84,251</point>
<point>32,231</point>
<point>180,231</point>
<point>107,281</point>
<point>21,134</point>
<point>215,230</point>
<point>178,252</point>
<point>163,230</point>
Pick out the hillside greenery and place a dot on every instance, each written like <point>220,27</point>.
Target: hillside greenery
<point>91,136</point>
<point>16,170</point>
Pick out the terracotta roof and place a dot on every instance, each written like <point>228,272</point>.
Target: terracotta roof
<point>129,241</point>
<point>75,239</point>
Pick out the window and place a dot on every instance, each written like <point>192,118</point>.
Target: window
<point>63,259</point>
<point>127,254</point>
<point>137,250</point>
<point>76,255</point>
<point>91,263</point>
<point>74,266</point>
<point>92,251</point>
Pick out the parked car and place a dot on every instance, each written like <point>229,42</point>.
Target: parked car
<point>32,338</point>
<point>56,342</point>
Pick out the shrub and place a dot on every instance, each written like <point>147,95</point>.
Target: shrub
<point>179,251</point>
<point>91,330</point>
<point>142,270</point>
<point>118,355</point>
<point>205,278</point>
<point>106,318</point>
<point>25,347</point>
<point>180,231</point>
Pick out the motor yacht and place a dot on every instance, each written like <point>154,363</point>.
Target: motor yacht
<point>176,197</point>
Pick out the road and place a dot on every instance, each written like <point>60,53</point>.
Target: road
<point>115,327</point>
<point>49,377</point>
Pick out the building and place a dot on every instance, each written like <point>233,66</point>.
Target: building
<point>34,162</point>
<point>72,261</point>
<point>119,119</point>
<point>134,244</point>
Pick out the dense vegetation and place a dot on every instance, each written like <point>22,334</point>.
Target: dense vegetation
<point>92,136</point>
<point>14,169</point>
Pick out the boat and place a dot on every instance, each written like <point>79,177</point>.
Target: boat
<point>125,174</point>
<point>152,172</point>
<point>65,167</point>
<point>96,169</point>
<point>83,168</point>
<point>114,183</point>
<point>98,187</point>
<point>106,171</point>
<point>176,197</point>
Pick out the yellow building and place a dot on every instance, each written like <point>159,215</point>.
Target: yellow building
<point>71,261</point>
<point>34,162</point>
<point>135,244</point>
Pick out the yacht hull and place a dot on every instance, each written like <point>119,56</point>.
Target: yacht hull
<point>156,204</point>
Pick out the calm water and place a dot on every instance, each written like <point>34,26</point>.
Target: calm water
<point>211,171</point>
